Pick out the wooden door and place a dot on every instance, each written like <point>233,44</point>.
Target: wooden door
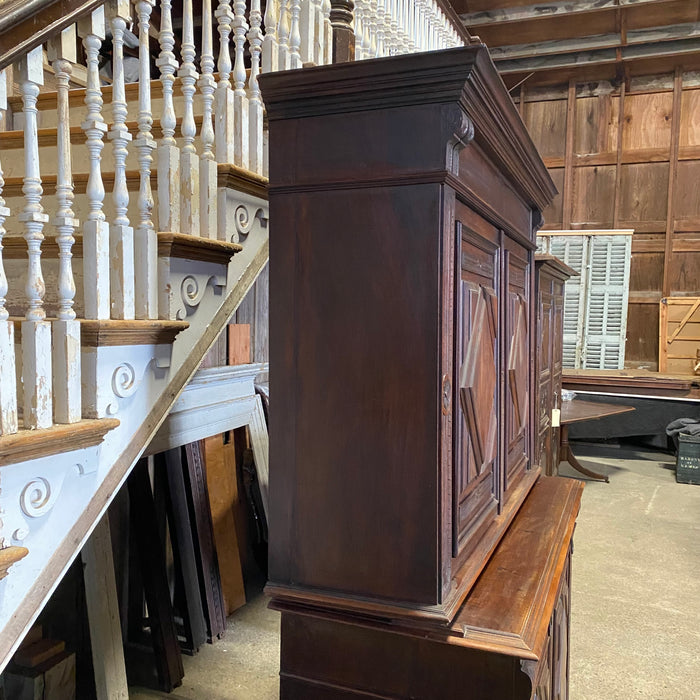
<point>560,638</point>
<point>557,346</point>
<point>476,451</point>
<point>546,361</point>
<point>516,323</point>
<point>543,689</point>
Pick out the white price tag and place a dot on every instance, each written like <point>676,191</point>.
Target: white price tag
<point>556,417</point>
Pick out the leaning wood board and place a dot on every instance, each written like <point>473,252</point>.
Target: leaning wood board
<point>679,334</point>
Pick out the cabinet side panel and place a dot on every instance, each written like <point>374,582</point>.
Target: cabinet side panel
<point>356,334</point>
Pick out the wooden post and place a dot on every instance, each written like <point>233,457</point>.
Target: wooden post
<point>145,239</point>
<point>567,196</point>
<point>36,330</point>
<point>66,329</point>
<point>270,47</point>
<point>103,615</point>
<point>672,174</point>
<point>8,381</point>
<point>255,104</point>
<point>189,163</point>
<point>168,154</point>
<point>240,99</point>
<point>343,35</point>
<point>207,163</point>
<point>121,234</point>
<point>96,270</point>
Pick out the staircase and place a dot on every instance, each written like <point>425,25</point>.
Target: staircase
<point>133,221</point>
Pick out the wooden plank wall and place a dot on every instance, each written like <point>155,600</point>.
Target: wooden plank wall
<point>628,158</point>
<point>255,311</point>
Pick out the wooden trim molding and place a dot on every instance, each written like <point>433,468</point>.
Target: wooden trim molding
<point>242,180</point>
<point>33,444</point>
<point>101,333</point>
<point>10,556</point>
<point>180,245</point>
<point>462,79</point>
<point>45,21</point>
<point>174,245</point>
<point>118,332</point>
<point>15,247</point>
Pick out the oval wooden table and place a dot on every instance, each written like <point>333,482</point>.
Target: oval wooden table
<point>577,411</point>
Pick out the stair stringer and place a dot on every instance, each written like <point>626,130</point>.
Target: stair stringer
<point>81,495</point>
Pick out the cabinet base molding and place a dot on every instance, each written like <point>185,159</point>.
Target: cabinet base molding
<point>499,645</point>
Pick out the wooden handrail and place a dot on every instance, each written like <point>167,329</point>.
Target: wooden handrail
<point>26,25</point>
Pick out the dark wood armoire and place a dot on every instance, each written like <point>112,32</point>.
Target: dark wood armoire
<point>550,276</point>
<point>406,194</point>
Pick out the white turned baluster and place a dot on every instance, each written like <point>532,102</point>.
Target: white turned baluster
<point>359,29</point>
<point>240,99</point>
<point>121,234</point>
<point>295,34</point>
<point>269,60</point>
<point>393,26</point>
<point>409,38</point>
<point>369,44</point>
<point>283,34</point>
<point>366,30</point>
<point>189,163</point>
<point>36,330</point>
<point>145,238</point>
<point>379,28</point>
<point>270,47</point>
<point>8,381</point>
<point>207,165</point>
<point>96,270</point>
<point>168,154</point>
<point>307,27</point>
<point>327,31</point>
<point>224,93</point>
<point>255,41</point>
<point>66,329</point>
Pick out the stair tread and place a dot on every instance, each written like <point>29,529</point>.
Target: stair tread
<point>177,245</point>
<point>33,444</point>
<point>100,333</point>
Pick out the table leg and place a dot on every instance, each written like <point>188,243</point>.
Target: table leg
<point>568,456</point>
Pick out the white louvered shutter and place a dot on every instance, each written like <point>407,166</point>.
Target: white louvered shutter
<point>605,327</point>
<point>573,250</point>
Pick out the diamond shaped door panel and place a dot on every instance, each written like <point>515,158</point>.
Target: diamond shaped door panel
<point>518,394</point>
<point>476,450</point>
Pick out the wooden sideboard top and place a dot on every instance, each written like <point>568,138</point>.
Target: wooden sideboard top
<point>509,608</point>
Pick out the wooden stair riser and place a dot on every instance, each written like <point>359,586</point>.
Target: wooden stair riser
<point>185,269</point>
<point>13,158</point>
<point>48,116</point>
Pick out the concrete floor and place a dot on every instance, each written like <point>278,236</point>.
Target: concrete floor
<point>635,602</point>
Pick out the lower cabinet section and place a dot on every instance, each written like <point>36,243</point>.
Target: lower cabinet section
<point>509,641</point>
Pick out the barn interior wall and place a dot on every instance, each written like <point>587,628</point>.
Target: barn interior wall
<point>628,156</point>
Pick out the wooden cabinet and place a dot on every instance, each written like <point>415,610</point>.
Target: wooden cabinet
<point>550,276</point>
<point>406,194</point>
<point>509,640</point>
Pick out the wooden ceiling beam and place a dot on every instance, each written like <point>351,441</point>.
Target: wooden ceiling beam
<point>674,49</point>
<point>602,41</point>
<point>548,10</point>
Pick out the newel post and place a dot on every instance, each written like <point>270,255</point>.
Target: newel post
<point>343,33</point>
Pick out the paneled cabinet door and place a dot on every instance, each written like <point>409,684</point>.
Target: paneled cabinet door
<point>557,362</point>
<point>560,649</point>
<point>517,357</point>
<point>545,366</point>
<point>477,337</point>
